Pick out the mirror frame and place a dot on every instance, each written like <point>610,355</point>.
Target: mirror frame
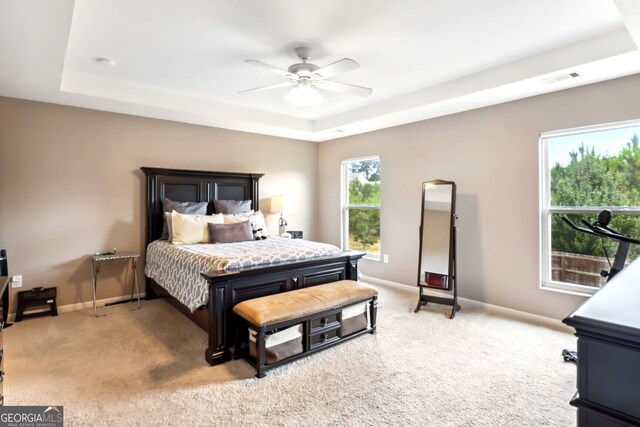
<point>450,272</point>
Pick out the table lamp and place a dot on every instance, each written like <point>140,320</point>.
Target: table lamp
<point>277,206</point>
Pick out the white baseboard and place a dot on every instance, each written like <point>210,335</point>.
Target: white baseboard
<point>490,308</point>
<point>79,305</point>
<point>390,283</point>
<point>520,315</point>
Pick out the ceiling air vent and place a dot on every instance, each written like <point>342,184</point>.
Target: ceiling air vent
<point>561,77</point>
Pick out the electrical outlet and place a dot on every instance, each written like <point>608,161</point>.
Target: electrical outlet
<point>386,258</point>
<point>16,281</point>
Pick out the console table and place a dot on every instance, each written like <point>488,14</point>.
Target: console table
<point>608,331</point>
<point>98,259</point>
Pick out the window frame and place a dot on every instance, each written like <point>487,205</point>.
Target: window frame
<point>546,210</point>
<point>345,205</point>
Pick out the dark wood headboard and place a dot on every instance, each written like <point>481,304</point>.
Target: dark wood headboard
<point>194,186</point>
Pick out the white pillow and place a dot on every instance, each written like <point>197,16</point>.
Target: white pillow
<point>257,223</point>
<point>256,218</point>
<point>189,229</point>
<point>234,218</point>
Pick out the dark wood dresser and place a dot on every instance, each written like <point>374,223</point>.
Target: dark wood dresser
<point>4,311</point>
<point>608,331</point>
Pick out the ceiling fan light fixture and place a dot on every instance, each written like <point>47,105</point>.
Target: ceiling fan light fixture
<point>307,78</point>
<point>304,95</point>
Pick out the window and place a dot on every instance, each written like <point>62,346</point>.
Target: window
<point>361,205</point>
<point>584,171</point>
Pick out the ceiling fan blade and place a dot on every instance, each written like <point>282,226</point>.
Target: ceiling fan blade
<point>344,88</point>
<point>275,86</point>
<point>336,68</point>
<point>272,68</point>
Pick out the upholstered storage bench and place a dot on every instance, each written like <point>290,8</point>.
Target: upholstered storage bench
<point>287,326</point>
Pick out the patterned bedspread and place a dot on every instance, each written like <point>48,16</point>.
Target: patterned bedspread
<point>177,268</point>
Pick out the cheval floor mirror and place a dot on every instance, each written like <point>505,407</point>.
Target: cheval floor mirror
<point>437,255</point>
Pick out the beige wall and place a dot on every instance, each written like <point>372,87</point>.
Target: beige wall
<point>70,185</point>
<point>492,154</point>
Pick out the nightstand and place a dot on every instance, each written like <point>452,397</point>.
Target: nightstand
<point>98,259</point>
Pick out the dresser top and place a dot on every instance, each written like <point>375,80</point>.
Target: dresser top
<point>615,308</point>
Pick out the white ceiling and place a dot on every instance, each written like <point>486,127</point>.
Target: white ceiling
<point>184,60</point>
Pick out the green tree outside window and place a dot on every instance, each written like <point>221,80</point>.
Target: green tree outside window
<point>364,205</point>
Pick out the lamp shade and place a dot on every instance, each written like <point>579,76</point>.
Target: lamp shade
<point>304,95</point>
<point>277,204</point>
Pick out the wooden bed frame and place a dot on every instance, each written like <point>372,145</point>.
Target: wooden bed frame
<point>227,288</point>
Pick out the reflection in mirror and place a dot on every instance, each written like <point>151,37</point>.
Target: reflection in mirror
<point>436,224</point>
<point>436,266</point>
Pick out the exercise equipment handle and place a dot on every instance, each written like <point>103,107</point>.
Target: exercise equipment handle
<point>608,232</point>
<point>575,227</point>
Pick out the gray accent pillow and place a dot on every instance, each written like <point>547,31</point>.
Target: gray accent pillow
<point>232,206</point>
<point>187,208</point>
<point>229,233</point>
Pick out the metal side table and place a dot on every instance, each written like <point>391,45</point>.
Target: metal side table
<point>96,260</point>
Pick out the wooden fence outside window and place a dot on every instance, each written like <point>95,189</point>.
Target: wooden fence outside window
<point>578,269</point>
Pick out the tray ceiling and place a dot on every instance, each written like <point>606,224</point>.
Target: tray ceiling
<point>186,61</point>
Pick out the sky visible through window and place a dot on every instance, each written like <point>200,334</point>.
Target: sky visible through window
<point>606,143</point>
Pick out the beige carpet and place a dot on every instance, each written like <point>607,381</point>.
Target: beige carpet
<point>147,368</point>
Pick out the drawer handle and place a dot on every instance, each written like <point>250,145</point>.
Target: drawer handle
<point>325,337</point>
<point>324,321</point>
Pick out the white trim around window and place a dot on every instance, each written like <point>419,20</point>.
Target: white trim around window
<point>547,210</point>
<point>346,206</point>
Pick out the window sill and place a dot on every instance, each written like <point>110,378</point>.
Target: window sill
<point>565,288</point>
<point>372,257</point>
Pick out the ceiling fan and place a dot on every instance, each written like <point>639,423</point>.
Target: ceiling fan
<point>305,78</point>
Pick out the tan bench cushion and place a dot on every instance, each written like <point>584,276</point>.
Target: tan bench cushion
<point>301,302</point>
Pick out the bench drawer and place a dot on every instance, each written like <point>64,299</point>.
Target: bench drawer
<point>326,321</point>
<point>324,338</point>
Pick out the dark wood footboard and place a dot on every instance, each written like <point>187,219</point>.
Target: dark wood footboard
<point>228,288</point>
